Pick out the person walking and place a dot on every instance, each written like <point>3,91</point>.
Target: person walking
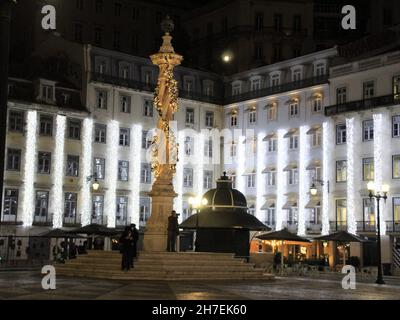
<point>135,238</point>
<point>173,231</point>
<point>125,242</point>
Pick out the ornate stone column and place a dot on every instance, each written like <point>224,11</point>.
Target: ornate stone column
<point>165,147</point>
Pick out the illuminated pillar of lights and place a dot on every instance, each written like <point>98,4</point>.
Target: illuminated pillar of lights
<point>178,177</point>
<point>352,158</point>
<point>28,204</point>
<point>86,195</point>
<point>260,177</point>
<point>199,164</point>
<point>135,161</point>
<point>56,201</point>
<point>327,142</point>
<point>111,172</point>
<point>304,179</point>
<point>281,178</point>
<point>241,159</point>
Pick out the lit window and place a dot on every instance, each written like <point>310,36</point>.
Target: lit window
<point>271,112</point>
<point>72,166</point>
<point>294,109</point>
<point>396,166</point>
<point>368,89</point>
<point>368,169</point>
<point>341,212</point>
<point>44,162</point>
<point>341,95</point>
<point>368,130</point>
<point>341,171</point>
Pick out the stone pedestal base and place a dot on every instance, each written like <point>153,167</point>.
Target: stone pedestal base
<point>155,236</point>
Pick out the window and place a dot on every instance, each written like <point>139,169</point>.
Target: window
<point>122,210</point>
<point>396,166</point>
<point>341,171</point>
<point>72,166</point>
<point>44,162</point>
<point>208,148</point>
<point>74,129</point>
<point>117,40</point>
<point>341,212</point>
<point>296,75</point>
<point>99,6</point>
<point>189,116</point>
<point>293,176</point>
<point>188,177</point>
<point>251,180</point>
<point>259,21</point>
<point>78,31</point>
<point>16,121</point>
<point>99,168</point>
<point>294,109</point>
<point>146,140</point>
<point>316,138</point>
<point>272,145</point>
<point>368,89</point>
<point>13,159</point>
<point>341,95</point>
<point>123,170</point>
<point>341,134</point>
<point>10,208</point>
<point>189,146</point>
<point>125,103</point>
<point>70,206</point>
<point>315,215</point>
<point>271,178</point>
<point>278,22</point>
<point>315,174</point>
<point>47,93</point>
<point>101,68</point>
<point>293,142</point>
<point>252,210</point>
<point>100,133</point>
<point>207,179</point>
<point>396,210</point>
<point>271,112</point>
<point>296,23</point>
<point>145,173</point>
<point>368,169</point>
<point>255,84</point>
<point>144,211</point>
<point>292,215</point>
<point>236,89</point>
<point>124,137</point>
<point>46,125</point>
<point>275,80</point>
<point>317,104</point>
<point>147,108</point>
<point>252,116</point>
<point>368,130</point>
<point>320,69</point>
<point>97,209</point>
<point>369,211</point>
<point>10,89</point>
<point>396,126</point>
<point>233,120</point>
<point>147,77</point>
<point>124,72</point>
<point>396,87</point>
<point>42,204</point>
<point>233,149</point>
<point>270,215</point>
<point>189,85</point>
<point>117,9</point>
<point>209,119</point>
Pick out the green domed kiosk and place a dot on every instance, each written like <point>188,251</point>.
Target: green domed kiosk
<point>223,224</point>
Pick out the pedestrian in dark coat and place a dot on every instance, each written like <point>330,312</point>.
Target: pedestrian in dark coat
<point>135,238</point>
<point>126,248</point>
<point>173,231</point>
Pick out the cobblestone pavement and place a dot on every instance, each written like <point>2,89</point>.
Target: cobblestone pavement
<point>27,285</point>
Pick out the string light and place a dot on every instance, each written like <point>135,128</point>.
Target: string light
<point>58,175</point>
<point>112,171</point>
<point>281,181</point>
<point>199,164</point>
<point>241,158</point>
<point>304,179</point>
<point>178,178</point>
<point>135,160</point>
<point>351,197</point>
<point>28,204</point>
<point>260,179</point>
<point>327,142</point>
<point>86,171</point>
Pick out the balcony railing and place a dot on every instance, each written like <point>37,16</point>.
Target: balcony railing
<point>290,225</point>
<point>121,221</point>
<point>366,226</point>
<point>338,225</point>
<point>361,105</point>
<point>98,220</point>
<point>73,221</point>
<point>313,228</point>
<point>295,85</point>
<point>150,87</point>
<point>393,226</point>
<point>43,220</point>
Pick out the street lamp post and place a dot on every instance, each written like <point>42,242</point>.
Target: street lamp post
<point>313,188</point>
<point>378,195</point>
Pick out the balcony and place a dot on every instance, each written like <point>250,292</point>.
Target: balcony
<point>361,105</point>
<point>150,87</point>
<point>102,220</point>
<point>121,222</point>
<point>393,226</point>
<point>295,85</point>
<point>72,221</point>
<point>290,225</point>
<point>338,225</point>
<point>313,228</point>
<point>366,226</point>
<point>43,220</point>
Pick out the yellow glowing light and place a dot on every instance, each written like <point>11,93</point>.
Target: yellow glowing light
<point>226,57</point>
<point>385,188</point>
<point>371,186</point>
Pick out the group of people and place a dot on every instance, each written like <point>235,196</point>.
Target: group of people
<point>68,250</point>
<point>128,246</point>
